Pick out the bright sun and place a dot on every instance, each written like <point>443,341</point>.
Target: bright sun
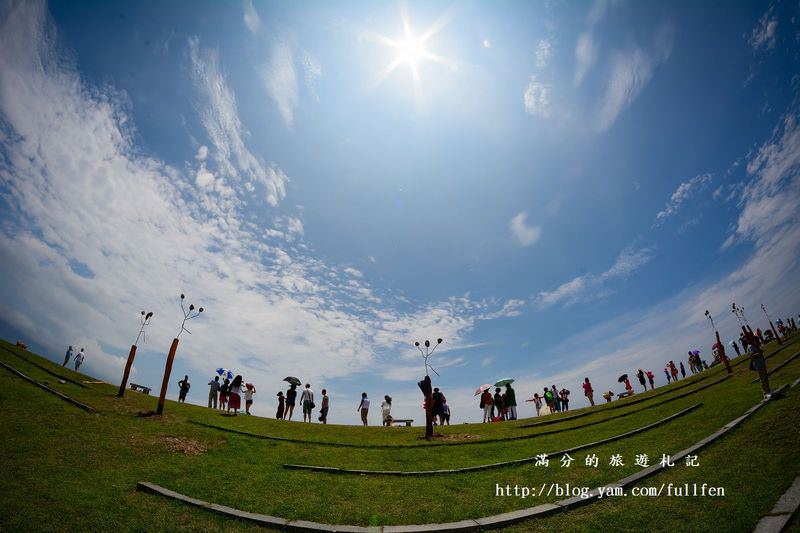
<point>411,49</point>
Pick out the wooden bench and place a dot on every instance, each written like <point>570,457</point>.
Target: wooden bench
<point>407,421</point>
<point>624,395</point>
<point>137,387</point>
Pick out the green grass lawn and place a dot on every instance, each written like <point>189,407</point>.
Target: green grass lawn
<point>67,469</point>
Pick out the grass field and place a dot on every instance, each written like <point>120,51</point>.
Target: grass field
<point>66,469</point>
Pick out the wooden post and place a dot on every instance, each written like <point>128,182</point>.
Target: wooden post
<point>167,372</point>
<point>722,354</point>
<point>128,366</point>
<point>427,390</point>
<point>774,332</point>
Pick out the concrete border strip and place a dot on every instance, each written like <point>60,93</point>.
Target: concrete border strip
<point>781,365</point>
<point>780,515</point>
<point>488,522</point>
<point>73,401</point>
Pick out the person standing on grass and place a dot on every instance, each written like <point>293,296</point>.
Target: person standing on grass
<point>666,373</point>
<point>386,410</point>
<point>323,412</point>
<point>564,399</point>
<point>446,416</point>
<point>683,371</point>
<point>248,397</point>
<point>537,402</point>
<point>608,395</point>
<point>235,395</point>
<point>213,391</point>
<point>628,386</point>
<point>79,359</point>
<point>68,356</point>
<point>640,375</point>
<point>557,399</point>
<point>307,401</point>
<point>651,378</point>
<point>291,398</point>
<point>673,370</point>
<point>486,405</point>
<point>588,391</point>
<point>438,405</point>
<point>223,394</point>
<point>499,407</point>
<point>736,348</point>
<point>758,364</point>
<point>550,400</point>
<point>279,414</point>
<point>183,389</point>
<point>511,396</point>
<point>363,407</point>
<point>691,363</point>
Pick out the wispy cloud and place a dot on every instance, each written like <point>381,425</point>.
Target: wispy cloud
<point>251,18</point>
<point>684,192</point>
<point>764,35</point>
<point>220,117</point>
<point>544,51</point>
<point>591,286</point>
<point>586,48</point>
<point>537,98</point>
<point>280,80</point>
<point>630,73</point>
<point>524,234</point>
<point>312,71</point>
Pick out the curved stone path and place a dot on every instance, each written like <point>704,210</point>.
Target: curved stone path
<point>489,522</point>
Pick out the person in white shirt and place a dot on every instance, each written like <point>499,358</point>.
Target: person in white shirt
<point>386,410</point>
<point>79,357</point>
<point>364,408</point>
<point>307,401</point>
<point>248,397</point>
<point>212,392</point>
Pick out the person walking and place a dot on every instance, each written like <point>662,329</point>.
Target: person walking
<point>323,411</point>
<point>68,356</point>
<point>736,348</point>
<point>446,413</point>
<point>438,405</point>
<point>511,402</point>
<point>235,395</point>
<point>758,364</point>
<point>673,370</point>
<point>223,394</point>
<point>183,389</point>
<point>79,357</point>
<point>291,398</point>
<point>691,363</point>
<point>588,391</point>
<point>307,401</point>
<point>248,397</point>
<point>213,391</point>
<point>651,378</point>
<point>363,407</point>
<point>281,405</point>
<point>683,372</point>
<point>666,373</point>
<point>486,405</point>
<point>386,410</point>
<point>640,375</point>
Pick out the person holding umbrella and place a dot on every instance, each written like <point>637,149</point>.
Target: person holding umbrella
<point>511,401</point>
<point>291,396</point>
<point>624,379</point>
<point>235,395</point>
<point>486,401</point>
<point>223,394</point>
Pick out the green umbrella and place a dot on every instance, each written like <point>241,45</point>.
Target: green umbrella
<point>503,382</point>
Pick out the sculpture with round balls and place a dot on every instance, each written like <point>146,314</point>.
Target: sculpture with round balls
<point>426,386</point>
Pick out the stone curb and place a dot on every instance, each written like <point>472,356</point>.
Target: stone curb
<point>781,365</point>
<point>74,402</point>
<point>52,373</point>
<point>488,522</point>
<point>333,470</point>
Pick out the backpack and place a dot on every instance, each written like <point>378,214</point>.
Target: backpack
<point>548,396</point>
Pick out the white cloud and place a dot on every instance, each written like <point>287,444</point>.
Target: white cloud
<point>630,73</point>
<point>280,80</point>
<point>487,361</point>
<point>524,234</point>
<point>585,56</point>
<point>312,71</point>
<point>544,51</point>
<point>592,286</point>
<point>537,98</point>
<point>251,18</point>
<point>202,153</point>
<point>683,193</point>
<point>220,118</point>
<point>486,43</point>
<point>764,35</point>
<point>353,272</point>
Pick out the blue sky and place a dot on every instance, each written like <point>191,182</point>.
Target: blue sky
<point>559,191</point>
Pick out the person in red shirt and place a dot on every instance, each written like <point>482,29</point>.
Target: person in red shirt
<point>588,391</point>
